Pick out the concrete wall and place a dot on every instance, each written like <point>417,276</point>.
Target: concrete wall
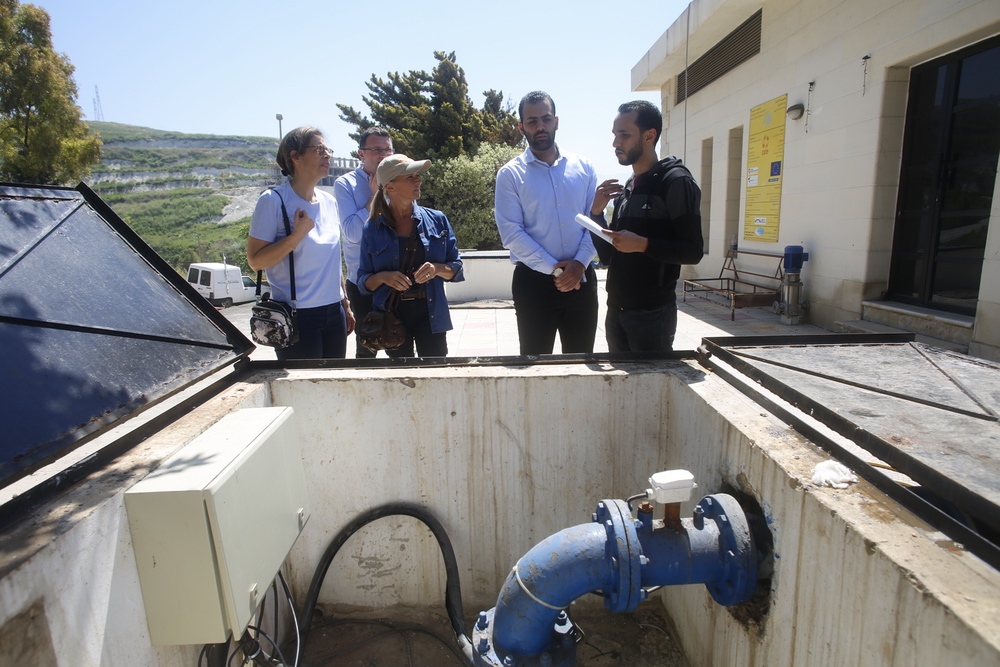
<point>842,159</point>
<point>488,275</point>
<point>505,457</point>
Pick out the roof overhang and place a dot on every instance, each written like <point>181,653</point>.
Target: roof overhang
<point>700,27</point>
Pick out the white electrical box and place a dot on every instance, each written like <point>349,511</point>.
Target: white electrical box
<point>672,486</point>
<point>212,525</point>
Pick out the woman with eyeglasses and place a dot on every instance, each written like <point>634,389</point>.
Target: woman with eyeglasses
<point>398,230</point>
<point>324,314</point>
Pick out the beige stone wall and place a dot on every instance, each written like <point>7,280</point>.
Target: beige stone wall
<point>841,163</point>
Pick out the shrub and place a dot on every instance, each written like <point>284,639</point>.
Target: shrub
<point>463,188</point>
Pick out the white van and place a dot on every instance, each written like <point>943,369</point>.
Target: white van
<point>222,284</point>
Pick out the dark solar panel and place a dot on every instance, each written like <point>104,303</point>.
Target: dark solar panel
<point>93,324</point>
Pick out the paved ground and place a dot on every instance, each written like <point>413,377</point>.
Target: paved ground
<point>490,329</point>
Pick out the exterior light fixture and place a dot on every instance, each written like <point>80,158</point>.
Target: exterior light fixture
<point>796,111</point>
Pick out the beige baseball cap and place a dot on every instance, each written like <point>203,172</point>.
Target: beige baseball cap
<point>397,165</point>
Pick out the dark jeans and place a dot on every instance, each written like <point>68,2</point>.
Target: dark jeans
<point>417,322</point>
<point>641,330</point>
<point>361,305</point>
<point>322,334</point>
<point>542,310</point>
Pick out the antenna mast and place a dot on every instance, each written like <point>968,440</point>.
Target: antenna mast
<point>98,111</point>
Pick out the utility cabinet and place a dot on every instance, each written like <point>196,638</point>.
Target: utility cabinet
<point>211,526</point>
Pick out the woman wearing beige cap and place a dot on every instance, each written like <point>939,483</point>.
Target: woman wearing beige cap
<point>399,229</point>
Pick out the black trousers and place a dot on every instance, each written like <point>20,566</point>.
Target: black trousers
<point>361,305</point>
<point>542,310</point>
<point>417,322</point>
<point>322,334</point>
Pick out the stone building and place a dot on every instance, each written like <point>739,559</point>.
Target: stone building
<point>867,132</point>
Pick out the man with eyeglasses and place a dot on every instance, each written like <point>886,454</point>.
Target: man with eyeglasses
<point>354,192</point>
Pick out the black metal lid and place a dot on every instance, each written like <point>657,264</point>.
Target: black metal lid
<point>94,325</point>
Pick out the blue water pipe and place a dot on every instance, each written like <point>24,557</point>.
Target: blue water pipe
<point>621,557</point>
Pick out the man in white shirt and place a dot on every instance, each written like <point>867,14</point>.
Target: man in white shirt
<point>354,192</point>
<point>538,195</point>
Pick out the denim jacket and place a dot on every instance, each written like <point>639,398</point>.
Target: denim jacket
<point>380,252</point>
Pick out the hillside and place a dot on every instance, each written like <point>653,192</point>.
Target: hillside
<point>188,195</point>
<point>143,157</point>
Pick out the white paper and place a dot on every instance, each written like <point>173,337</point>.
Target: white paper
<point>590,225</point>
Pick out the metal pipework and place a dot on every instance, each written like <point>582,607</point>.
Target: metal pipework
<point>791,306</point>
<point>620,556</point>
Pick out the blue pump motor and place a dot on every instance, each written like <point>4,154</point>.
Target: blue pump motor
<point>794,257</point>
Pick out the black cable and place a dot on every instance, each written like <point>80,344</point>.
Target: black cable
<point>453,589</point>
<point>274,588</point>
<point>635,497</point>
<point>215,654</point>
<point>273,643</point>
<point>242,645</point>
<point>295,621</point>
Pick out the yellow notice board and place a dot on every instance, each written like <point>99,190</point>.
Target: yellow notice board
<point>765,165</point>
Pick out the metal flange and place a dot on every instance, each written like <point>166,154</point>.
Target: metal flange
<point>623,553</point>
<point>736,549</point>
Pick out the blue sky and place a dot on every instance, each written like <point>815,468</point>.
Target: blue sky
<point>227,67</point>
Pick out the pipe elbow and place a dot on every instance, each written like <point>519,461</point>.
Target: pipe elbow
<point>545,580</point>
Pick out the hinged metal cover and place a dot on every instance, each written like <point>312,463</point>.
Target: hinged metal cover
<point>94,325</point>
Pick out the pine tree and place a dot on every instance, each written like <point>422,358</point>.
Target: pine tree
<point>42,139</point>
<point>431,115</point>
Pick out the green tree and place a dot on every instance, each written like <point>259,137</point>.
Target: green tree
<point>463,187</point>
<point>499,121</point>
<point>431,115</point>
<point>42,139</point>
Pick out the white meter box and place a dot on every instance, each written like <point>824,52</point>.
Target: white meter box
<point>212,525</point>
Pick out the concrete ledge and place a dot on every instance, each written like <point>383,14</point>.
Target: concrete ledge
<point>932,323</point>
<point>864,326</point>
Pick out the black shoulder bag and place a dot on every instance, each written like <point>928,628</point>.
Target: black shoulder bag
<point>274,323</point>
<point>383,330</point>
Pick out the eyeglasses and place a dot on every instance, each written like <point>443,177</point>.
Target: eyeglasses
<point>378,151</point>
<point>319,150</point>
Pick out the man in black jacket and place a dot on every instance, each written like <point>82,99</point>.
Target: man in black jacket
<point>655,227</point>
